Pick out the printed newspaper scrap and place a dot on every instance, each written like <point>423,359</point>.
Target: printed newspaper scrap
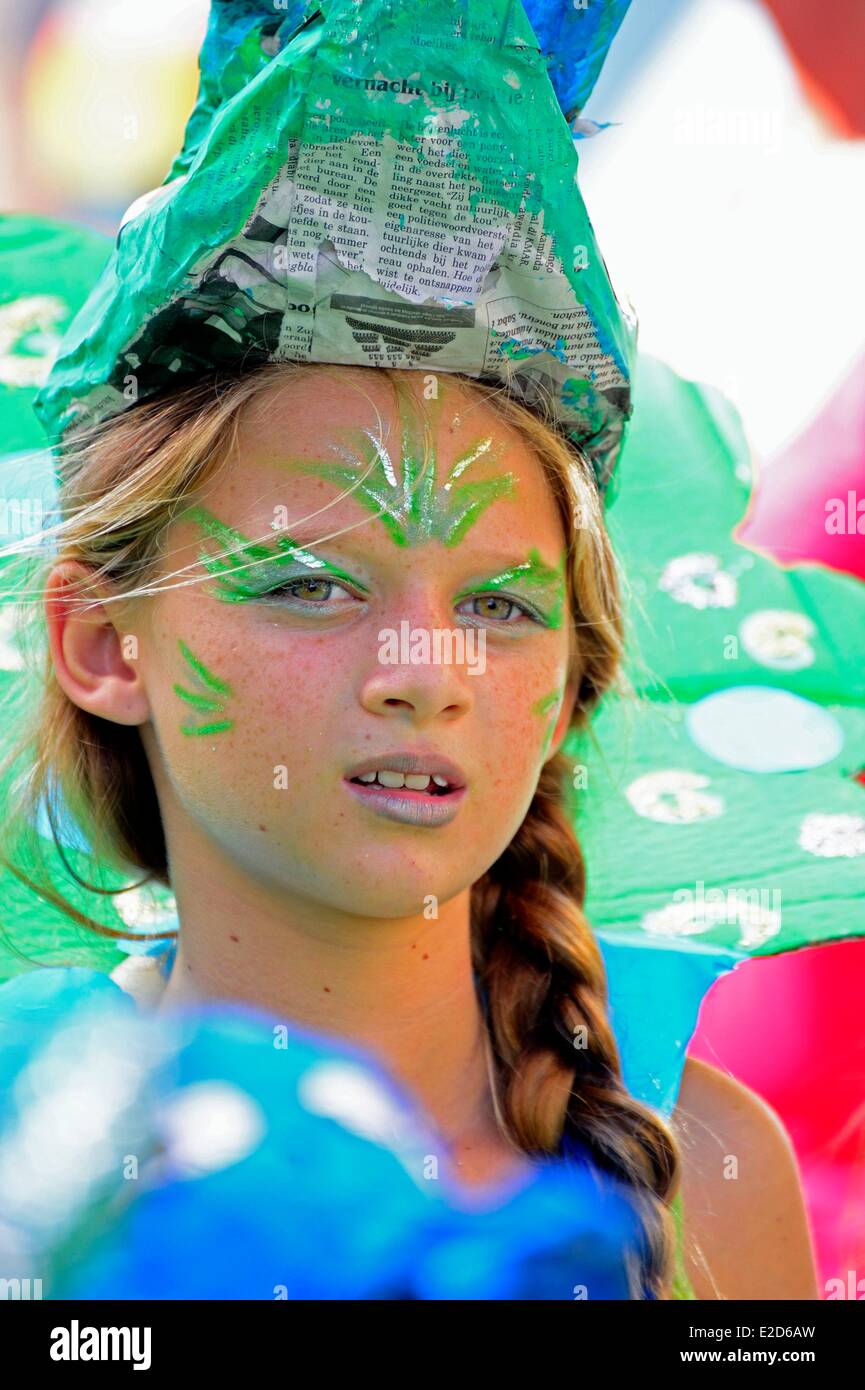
<point>372,183</point>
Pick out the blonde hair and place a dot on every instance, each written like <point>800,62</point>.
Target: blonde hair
<point>533,950</point>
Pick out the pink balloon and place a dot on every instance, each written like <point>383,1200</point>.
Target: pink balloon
<point>810,500</point>
<point>789,1027</point>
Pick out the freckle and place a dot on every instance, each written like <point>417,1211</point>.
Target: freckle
<point>262,827</point>
<point>414,945</point>
<point>327,989</point>
<point>233,938</point>
<point>424,956</point>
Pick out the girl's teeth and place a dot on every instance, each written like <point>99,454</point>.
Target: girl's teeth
<point>417,781</point>
<point>391,779</point>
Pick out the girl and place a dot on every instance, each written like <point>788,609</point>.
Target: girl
<point>368,843</point>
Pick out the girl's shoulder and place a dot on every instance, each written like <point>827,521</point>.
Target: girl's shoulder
<point>746,1227</point>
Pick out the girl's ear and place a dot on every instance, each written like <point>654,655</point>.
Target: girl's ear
<point>564,719</point>
<point>95,664</point>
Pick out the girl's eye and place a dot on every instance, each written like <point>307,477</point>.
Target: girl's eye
<point>312,592</point>
<point>497,608</point>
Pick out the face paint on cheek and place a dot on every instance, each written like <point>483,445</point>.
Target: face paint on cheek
<point>208,700</point>
<point>548,708</point>
<point>411,507</point>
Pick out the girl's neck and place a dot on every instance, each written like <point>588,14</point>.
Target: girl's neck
<point>404,989</point>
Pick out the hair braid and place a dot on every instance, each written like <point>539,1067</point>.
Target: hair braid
<point>544,978</point>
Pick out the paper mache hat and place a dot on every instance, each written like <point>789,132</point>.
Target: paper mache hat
<point>375,183</point>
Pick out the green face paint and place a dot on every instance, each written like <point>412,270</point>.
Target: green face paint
<point>547,702</point>
<point>411,506</point>
<point>533,574</point>
<point>548,708</point>
<point>253,568</point>
<point>209,699</point>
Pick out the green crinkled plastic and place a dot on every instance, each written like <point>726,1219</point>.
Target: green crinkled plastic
<point>46,269</point>
<point>385,185</point>
<point>782,847</point>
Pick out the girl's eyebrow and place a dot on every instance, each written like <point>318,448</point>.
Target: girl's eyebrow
<point>533,573</point>
<point>268,558</point>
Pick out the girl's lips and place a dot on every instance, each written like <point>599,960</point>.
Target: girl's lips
<point>407,806</point>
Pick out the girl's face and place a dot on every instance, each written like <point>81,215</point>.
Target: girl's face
<point>433,639</point>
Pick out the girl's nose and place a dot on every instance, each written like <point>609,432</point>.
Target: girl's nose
<point>423,693</point>
<point>424,670</point>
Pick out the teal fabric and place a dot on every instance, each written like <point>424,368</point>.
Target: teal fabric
<point>655,992</point>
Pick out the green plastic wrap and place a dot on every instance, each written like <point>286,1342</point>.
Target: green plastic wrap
<point>721,807</point>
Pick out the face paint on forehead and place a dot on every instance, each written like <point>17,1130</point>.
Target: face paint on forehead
<point>407,500</point>
<point>533,573</point>
<point>253,567</point>
<point>209,698</point>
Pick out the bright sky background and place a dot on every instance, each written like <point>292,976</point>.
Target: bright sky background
<point>732,220</point>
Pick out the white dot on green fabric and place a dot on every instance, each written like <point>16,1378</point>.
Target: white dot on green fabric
<point>760,729</point>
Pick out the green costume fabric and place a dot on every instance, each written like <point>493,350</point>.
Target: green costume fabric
<point>47,269</point>
<point>720,806</point>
